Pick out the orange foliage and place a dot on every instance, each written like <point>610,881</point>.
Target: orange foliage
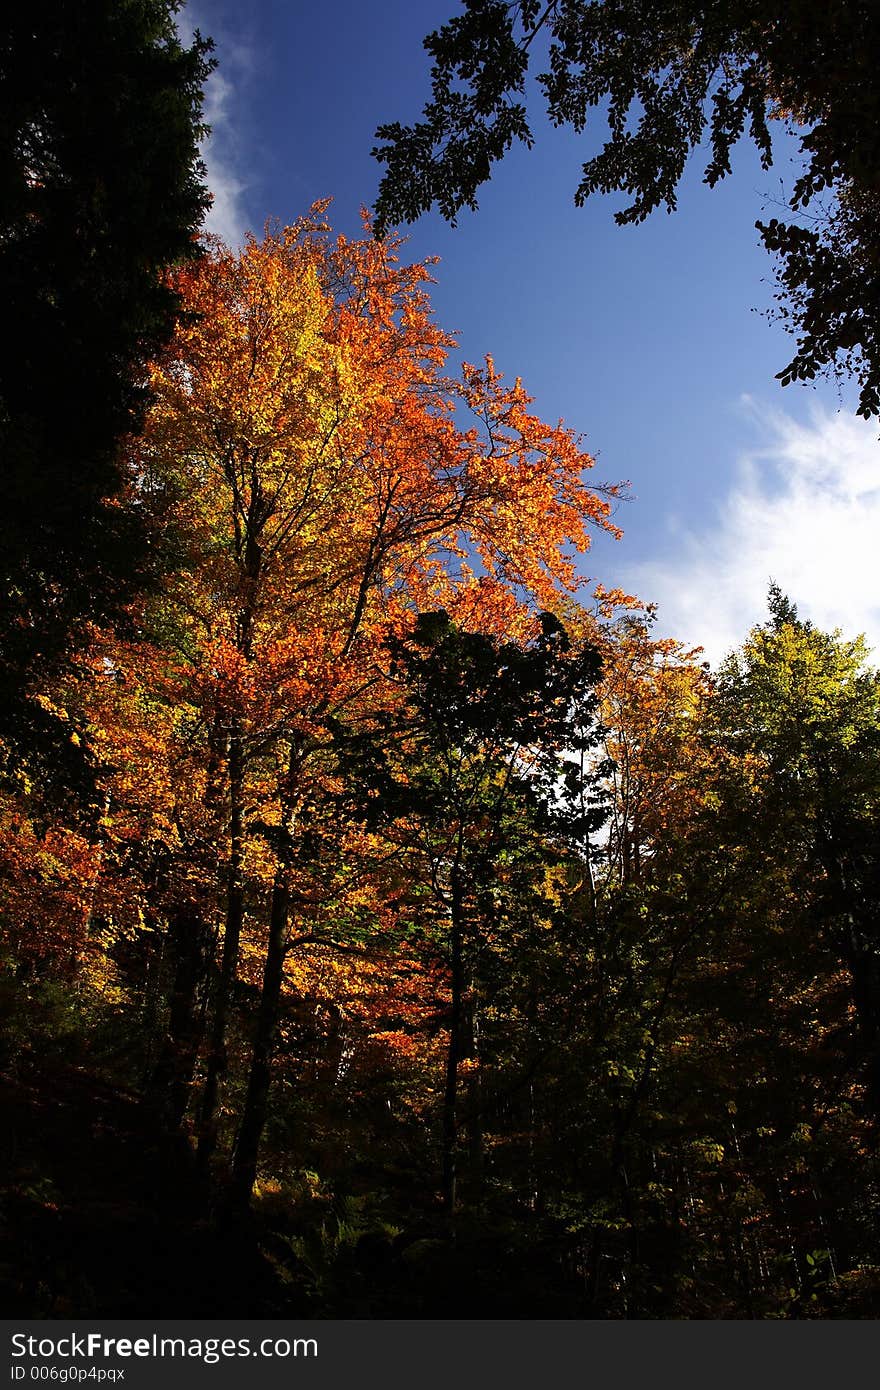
<point>652,695</point>
<point>327,482</point>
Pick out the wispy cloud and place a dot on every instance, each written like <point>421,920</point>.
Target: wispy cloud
<point>805,512</point>
<point>223,150</point>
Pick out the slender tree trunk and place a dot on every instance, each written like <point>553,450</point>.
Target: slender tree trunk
<point>453,1057</point>
<point>217,1060</point>
<point>864,968</point>
<point>253,1119</point>
<point>80,943</point>
<point>153,1000</point>
<point>170,1084</point>
<point>474,1100</point>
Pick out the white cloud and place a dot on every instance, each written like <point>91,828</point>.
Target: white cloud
<point>222,150</point>
<point>805,512</point>
<point>226,216</point>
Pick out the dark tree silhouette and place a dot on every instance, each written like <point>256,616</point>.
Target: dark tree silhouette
<point>673,72</point>
<point>102,190</point>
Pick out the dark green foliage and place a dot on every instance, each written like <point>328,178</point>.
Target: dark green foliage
<point>574,1093</point>
<point>479,785</point>
<point>672,73</point>
<point>476,705</point>
<point>801,714</point>
<point>102,191</point>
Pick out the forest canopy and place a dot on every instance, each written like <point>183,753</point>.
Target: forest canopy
<point>393,923</point>
<point>473,941</point>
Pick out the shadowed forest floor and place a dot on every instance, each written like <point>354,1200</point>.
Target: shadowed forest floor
<point>101,1214</point>
<point>104,1215</point>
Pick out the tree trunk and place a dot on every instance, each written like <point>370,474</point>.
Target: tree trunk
<point>170,1083</point>
<point>217,1060</point>
<point>863,964</point>
<point>864,969</point>
<point>474,1100</point>
<point>450,1096</point>
<point>253,1119</point>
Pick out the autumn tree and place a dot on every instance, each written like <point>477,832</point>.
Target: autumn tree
<point>799,718</point>
<point>653,696</point>
<point>743,1131</point>
<point>672,74</point>
<point>303,440</point>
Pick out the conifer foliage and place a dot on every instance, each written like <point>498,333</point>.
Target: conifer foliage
<point>102,192</point>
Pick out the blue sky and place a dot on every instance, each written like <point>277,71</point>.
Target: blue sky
<point>649,341</point>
